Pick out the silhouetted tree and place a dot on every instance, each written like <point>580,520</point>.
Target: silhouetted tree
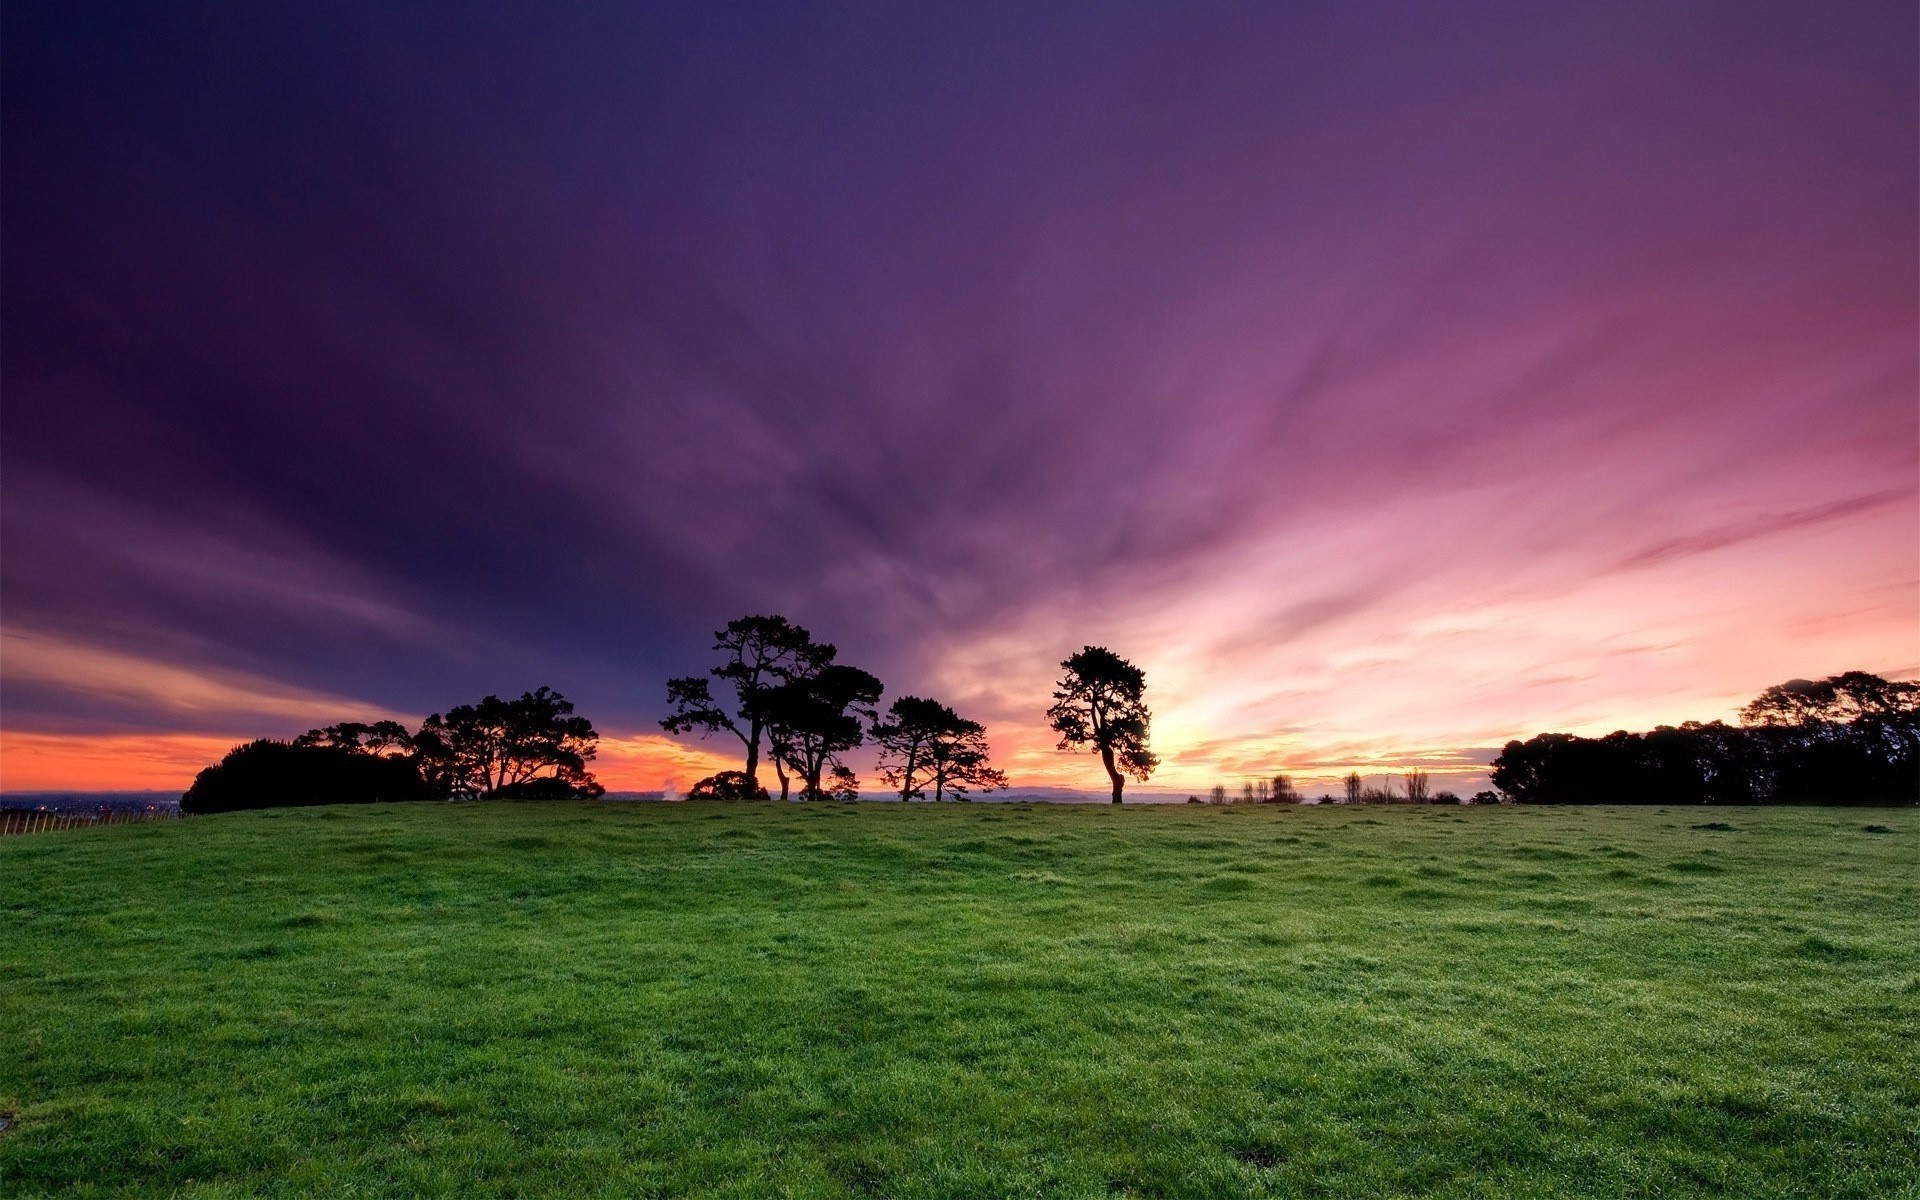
<point>270,774</point>
<point>727,785</point>
<point>1417,783</point>
<point>1102,703</point>
<point>1356,787</point>
<point>1847,739</point>
<point>1835,700</point>
<point>761,653</point>
<point>923,744</point>
<point>531,747</point>
<point>1283,791</point>
<point>385,738</point>
<point>811,719</point>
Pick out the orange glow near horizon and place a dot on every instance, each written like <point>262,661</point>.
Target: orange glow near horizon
<point>131,762</point>
<point>107,762</point>
<point>1434,673</point>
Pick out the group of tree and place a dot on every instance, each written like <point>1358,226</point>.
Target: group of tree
<point>531,748</point>
<point>1280,790</point>
<point>1847,739</point>
<point>776,686</point>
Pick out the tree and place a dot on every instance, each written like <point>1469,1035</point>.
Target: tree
<point>1847,739</point>
<point>727,785</point>
<point>811,719</point>
<point>1417,785</point>
<point>1356,787</point>
<point>1835,700</point>
<point>761,653</point>
<point>270,774</point>
<point>531,747</point>
<point>385,738</point>
<point>923,744</point>
<point>1101,703</point>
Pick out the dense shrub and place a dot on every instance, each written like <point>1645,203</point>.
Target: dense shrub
<point>549,787</point>
<point>727,785</point>
<point>270,774</point>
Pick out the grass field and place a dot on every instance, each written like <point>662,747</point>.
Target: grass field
<point>965,1000</point>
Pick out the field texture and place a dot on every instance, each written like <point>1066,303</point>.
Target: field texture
<point>968,1000</point>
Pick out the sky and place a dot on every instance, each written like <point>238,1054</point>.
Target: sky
<point>1387,381</point>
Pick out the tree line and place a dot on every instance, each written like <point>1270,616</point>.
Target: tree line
<point>1848,739</point>
<point>775,686</point>
<point>1852,738</point>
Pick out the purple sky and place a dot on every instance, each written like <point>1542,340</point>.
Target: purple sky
<point>1387,380</point>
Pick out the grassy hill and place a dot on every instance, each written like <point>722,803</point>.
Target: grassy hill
<point>969,1000</point>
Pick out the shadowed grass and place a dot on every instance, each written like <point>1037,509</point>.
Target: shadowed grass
<point>962,1001</point>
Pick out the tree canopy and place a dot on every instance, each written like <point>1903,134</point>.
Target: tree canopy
<point>271,774</point>
<point>531,747</point>
<point>813,718</point>
<point>1848,739</point>
<point>759,654</point>
<point>1101,702</point>
<point>924,744</point>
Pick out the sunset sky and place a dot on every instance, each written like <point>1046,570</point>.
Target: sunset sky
<point>1388,381</point>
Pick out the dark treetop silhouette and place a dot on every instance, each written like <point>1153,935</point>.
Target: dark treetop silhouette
<point>762,653</point>
<point>923,744</point>
<point>813,718</point>
<point>1101,703</point>
<point>529,748</point>
<point>503,748</point>
<point>1847,739</point>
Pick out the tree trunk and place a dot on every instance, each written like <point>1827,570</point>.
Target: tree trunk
<point>780,770</point>
<point>1119,781</point>
<point>906,780</point>
<point>753,758</point>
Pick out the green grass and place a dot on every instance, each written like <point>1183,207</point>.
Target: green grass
<point>969,1000</point>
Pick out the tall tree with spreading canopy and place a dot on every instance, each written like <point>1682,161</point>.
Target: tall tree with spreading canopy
<point>762,653</point>
<point>813,718</point>
<point>1102,703</point>
<point>923,744</point>
<point>533,747</point>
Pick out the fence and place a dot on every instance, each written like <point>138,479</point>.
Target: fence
<point>15,820</point>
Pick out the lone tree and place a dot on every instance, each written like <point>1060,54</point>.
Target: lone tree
<point>923,744</point>
<point>1101,703</point>
<point>811,719</point>
<point>533,747</point>
<point>762,653</point>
